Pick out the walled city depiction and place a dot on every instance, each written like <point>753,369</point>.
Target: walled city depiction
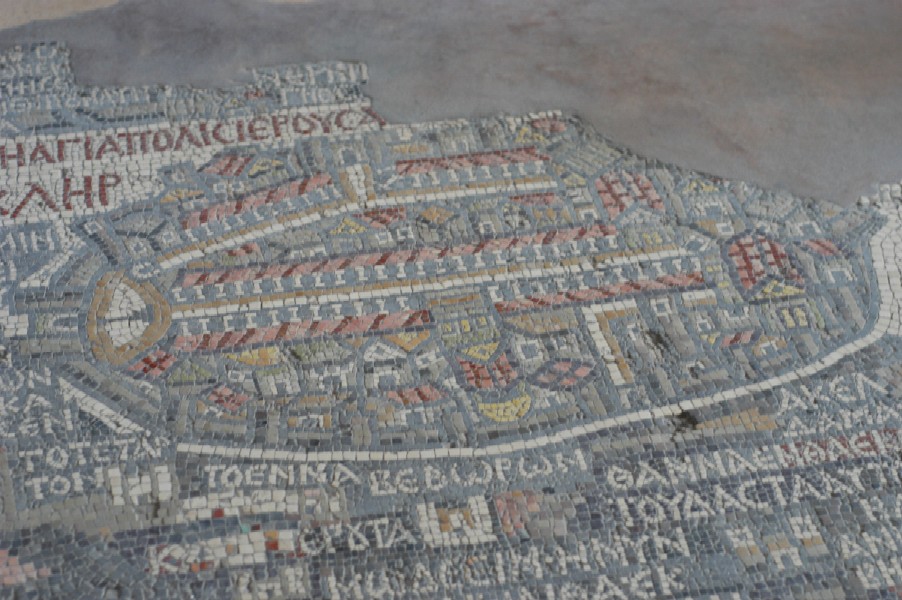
<point>259,343</point>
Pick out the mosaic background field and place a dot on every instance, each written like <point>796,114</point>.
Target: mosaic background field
<point>259,343</point>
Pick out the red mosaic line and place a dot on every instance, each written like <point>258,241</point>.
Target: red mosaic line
<point>302,329</point>
<point>689,280</point>
<point>823,247</point>
<point>228,399</point>
<point>743,337</point>
<point>840,448</point>
<point>619,190</point>
<point>466,161</point>
<point>217,212</point>
<point>154,364</point>
<point>230,165</point>
<point>753,254</point>
<point>330,265</point>
<point>565,373</point>
<point>381,218</point>
<point>776,255</point>
<point>244,249</point>
<point>416,395</point>
<point>499,373</point>
<point>477,375</point>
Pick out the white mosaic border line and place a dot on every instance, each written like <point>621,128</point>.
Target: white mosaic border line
<point>886,250</point>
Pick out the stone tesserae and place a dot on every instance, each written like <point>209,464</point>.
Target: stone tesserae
<point>258,343</point>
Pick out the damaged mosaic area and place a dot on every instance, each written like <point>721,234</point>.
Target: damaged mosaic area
<point>258,343</point>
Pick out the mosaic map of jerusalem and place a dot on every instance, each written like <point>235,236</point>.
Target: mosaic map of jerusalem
<point>257,343</point>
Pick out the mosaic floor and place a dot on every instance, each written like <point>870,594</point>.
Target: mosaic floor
<point>258,343</point>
